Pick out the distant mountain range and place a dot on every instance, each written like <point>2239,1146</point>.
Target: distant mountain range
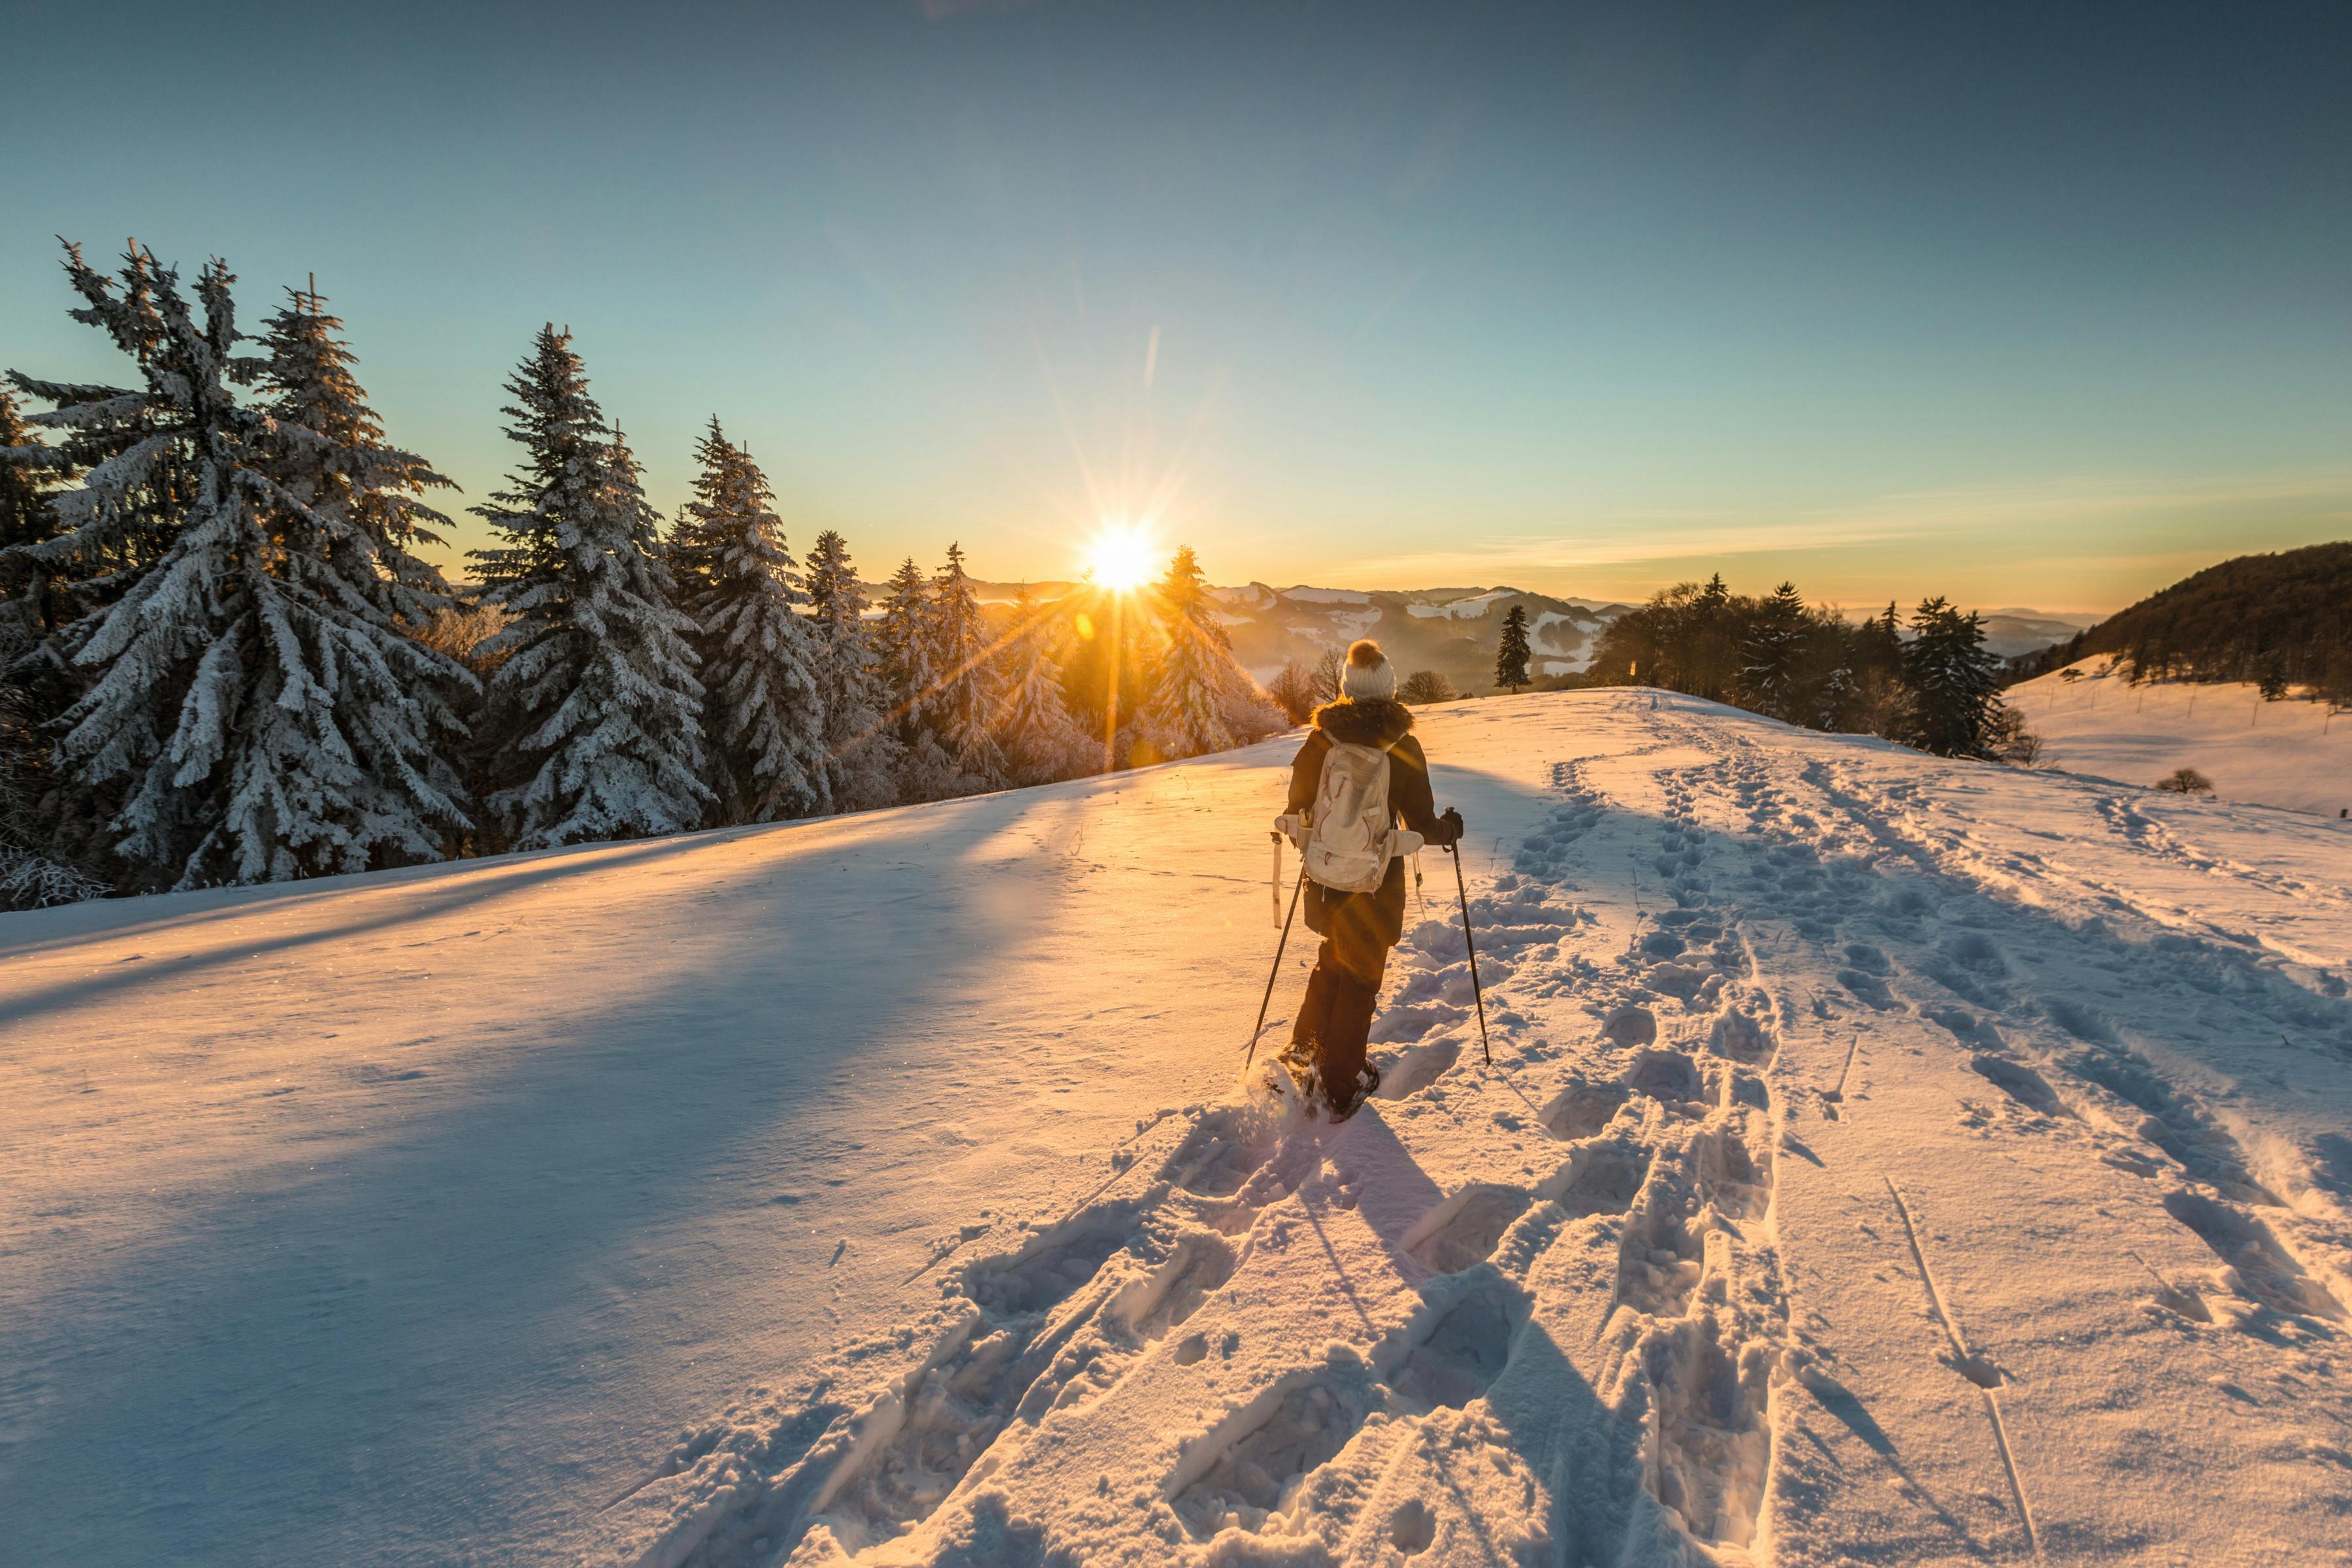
<point>1453,631</point>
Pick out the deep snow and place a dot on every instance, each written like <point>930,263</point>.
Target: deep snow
<point>1880,1153</point>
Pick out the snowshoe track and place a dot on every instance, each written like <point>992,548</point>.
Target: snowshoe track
<point>1822,908</point>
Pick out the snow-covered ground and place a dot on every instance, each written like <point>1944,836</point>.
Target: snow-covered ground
<point>2290,753</point>
<point>1884,1160</point>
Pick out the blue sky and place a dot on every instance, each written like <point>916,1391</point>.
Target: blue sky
<point>2030,305</point>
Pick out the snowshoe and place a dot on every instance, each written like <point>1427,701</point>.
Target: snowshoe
<point>1366,1085</point>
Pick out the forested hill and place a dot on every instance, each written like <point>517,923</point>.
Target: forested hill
<point>2279,621</point>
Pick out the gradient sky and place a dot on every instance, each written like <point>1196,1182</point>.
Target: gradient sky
<point>2042,305</point>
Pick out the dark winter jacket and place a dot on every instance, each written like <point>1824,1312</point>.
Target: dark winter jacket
<point>1377,916</point>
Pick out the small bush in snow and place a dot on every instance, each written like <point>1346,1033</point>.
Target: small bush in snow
<point>1426,686</point>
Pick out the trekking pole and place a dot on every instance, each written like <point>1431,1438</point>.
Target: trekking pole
<point>1472,948</point>
<point>1266,1000</point>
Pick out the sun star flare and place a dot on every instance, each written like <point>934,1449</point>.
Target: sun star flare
<point>1122,556</point>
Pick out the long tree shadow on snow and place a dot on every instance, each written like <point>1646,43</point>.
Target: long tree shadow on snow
<point>474,1260</point>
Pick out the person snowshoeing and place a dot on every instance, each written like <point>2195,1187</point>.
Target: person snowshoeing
<point>1359,775</point>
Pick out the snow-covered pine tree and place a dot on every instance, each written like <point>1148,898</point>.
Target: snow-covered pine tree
<point>1184,708</point>
<point>905,648</point>
<point>1512,653</point>
<point>595,709</point>
<point>1956,681</point>
<point>52,591</point>
<point>252,711</point>
<point>762,716</point>
<point>969,703</point>
<point>97,424</point>
<point>307,379</point>
<point>1041,740</point>
<point>376,493</point>
<point>927,771</point>
<point>861,752</point>
<point>1773,654</point>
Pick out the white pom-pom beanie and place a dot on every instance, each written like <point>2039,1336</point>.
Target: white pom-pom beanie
<point>1369,676</point>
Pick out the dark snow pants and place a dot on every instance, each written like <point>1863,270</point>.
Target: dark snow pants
<point>1336,1017</point>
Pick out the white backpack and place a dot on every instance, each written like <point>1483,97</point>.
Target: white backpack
<point>1350,834</point>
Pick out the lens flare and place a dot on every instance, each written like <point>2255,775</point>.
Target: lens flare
<point>1122,556</point>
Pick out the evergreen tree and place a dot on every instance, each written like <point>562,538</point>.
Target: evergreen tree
<point>1880,701</point>
<point>1042,741</point>
<point>1878,644</point>
<point>764,715</point>
<point>861,753</point>
<point>1512,655</point>
<point>968,704</point>
<point>378,491</point>
<point>30,876</point>
<point>122,531</point>
<point>251,710</point>
<point>1774,655</point>
<point>374,494</point>
<point>1105,675</point>
<point>1185,712</point>
<point>906,647</point>
<point>25,519</point>
<point>926,770</point>
<point>594,706</point>
<point>1955,682</point>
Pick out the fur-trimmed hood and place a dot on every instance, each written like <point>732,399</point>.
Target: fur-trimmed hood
<point>1377,723</point>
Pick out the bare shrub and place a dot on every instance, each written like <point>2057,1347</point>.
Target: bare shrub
<point>1426,686</point>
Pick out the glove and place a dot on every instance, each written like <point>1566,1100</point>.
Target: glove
<point>1452,822</point>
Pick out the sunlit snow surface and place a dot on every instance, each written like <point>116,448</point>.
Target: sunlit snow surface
<point>2297,754</point>
<point>1878,1152</point>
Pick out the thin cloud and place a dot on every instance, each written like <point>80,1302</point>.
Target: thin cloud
<point>1633,537</point>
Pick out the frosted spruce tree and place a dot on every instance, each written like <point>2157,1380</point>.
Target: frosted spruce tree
<point>926,770</point>
<point>306,381</point>
<point>1184,707</point>
<point>252,711</point>
<point>1041,742</point>
<point>763,714</point>
<point>593,708</point>
<point>861,753</point>
<point>969,703</point>
<point>374,494</point>
<point>1954,681</point>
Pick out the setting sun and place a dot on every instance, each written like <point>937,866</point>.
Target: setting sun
<point>1122,556</point>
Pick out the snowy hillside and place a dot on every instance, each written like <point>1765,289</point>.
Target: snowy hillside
<point>2290,753</point>
<point>1884,1160</point>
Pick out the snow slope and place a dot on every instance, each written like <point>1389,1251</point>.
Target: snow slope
<point>2290,753</point>
<point>1884,1160</point>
